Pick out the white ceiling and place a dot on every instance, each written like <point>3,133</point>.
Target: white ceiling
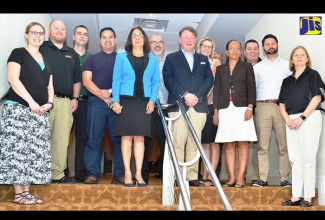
<point>221,27</point>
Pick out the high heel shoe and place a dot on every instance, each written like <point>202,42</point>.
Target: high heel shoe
<point>238,185</point>
<point>140,184</point>
<point>128,184</point>
<point>230,184</point>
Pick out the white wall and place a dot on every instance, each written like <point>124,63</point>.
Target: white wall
<point>12,28</point>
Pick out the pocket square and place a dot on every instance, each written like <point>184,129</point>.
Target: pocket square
<point>202,63</point>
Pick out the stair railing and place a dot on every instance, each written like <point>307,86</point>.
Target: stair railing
<point>172,165</point>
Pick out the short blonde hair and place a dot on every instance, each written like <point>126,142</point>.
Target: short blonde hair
<point>198,47</point>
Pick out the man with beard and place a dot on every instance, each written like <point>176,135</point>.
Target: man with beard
<point>157,47</point>
<point>67,83</point>
<point>269,74</point>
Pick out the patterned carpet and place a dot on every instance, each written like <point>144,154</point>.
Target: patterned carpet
<point>109,197</point>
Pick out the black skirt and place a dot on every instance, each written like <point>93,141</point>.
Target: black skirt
<point>209,131</point>
<point>133,120</point>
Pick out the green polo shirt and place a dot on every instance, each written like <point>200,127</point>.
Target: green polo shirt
<point>82,59</point>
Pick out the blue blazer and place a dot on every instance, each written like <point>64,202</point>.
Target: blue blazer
<point>179,79</point>
<point>124,77</point>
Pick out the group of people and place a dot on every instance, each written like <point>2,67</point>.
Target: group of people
<point>55,88</point>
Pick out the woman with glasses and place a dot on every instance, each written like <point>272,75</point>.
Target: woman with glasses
<point>206,46</point>
<point>234,96</point>
<point>300,102</point>
<point>135,87</point>
<point>25,148</point>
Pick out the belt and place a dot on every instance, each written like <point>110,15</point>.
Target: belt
<point>62,96</point>
<point>272,101</point>
<point>293,113</point>
<point>83,97</point>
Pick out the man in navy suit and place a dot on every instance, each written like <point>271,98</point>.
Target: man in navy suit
<point>188,77</point>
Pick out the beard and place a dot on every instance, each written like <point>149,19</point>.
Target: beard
<point>157,53</point>
<point>271,51</point>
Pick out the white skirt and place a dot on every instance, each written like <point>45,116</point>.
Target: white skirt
<point>233,127</point>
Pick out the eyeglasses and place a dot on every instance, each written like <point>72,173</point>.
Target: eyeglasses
<point>206,46</point>
<point>137,36</point>
<point>157,42</point>
<point>37,32</point>
<point>234,48</point>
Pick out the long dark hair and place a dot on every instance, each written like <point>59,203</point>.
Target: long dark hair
<point>128,44</point>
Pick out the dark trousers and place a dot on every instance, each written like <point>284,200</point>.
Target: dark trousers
<point>80,122</point>
<point>98,115</point>
<point>160,134</point>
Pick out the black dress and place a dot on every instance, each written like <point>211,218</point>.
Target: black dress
<point>133,120</point>
<point>209,131</point>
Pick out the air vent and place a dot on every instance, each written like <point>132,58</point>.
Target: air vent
<point>151,24</point>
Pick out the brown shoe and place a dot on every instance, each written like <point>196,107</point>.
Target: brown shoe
<point>195,183</point>
<point>91,180</point>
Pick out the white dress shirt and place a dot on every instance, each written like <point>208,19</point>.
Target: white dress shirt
<point>269,76</point>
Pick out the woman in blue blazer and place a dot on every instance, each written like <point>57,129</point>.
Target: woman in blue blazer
<point>135,87</point>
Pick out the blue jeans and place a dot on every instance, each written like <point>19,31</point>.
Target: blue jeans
<point>98,115</point>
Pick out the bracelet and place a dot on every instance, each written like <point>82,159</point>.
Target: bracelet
<point>51,104</point>
<point>215,116</point>
<point>250,109</point>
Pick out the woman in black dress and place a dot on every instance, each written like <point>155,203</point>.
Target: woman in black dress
<point>135,88</point>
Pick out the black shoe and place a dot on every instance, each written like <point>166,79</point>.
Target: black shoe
<point>195,183</point>
<point>230,184</point>
<point>305,203</point>
<point>118,182</point>
<point>80,179</point>
<point>261,183</point>
<point>254,182</point>
<point>65,180</point>
<point>291,203</point>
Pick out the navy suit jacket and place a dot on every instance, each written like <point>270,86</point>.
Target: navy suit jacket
<point>179,79</point>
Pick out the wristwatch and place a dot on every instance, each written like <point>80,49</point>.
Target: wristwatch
<point>303,117</point>
<point>76,98</point>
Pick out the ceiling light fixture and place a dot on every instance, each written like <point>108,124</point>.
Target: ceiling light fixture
<point>151,24</point>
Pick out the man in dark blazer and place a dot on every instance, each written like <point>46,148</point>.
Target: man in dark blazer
<point>188,77</point>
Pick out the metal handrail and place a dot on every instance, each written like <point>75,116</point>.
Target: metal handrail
<point>181,181</point>
<point>206,161</point>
